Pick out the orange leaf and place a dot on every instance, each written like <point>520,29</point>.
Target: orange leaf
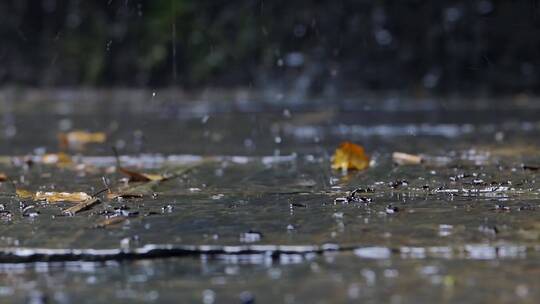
<point>350,156</point>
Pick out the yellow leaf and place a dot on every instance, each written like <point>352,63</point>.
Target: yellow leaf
<point>54,197</point>
<point>24,194</point>
<point>56,158</point>
<point>350,156</point>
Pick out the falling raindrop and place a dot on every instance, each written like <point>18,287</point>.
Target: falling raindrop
<point>452,14</point>
<point>383,37</point>
<point>299,30</point>
<point>484,7</point>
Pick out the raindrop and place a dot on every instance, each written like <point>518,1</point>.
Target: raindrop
<point>484,7</point>
<point>247,297</point>
<point>522,291</point>
<point>204,119</point>
<point>452,14</point>
<point>353,291</point>
<point>499,136</point>
<point>287,113</point>
<point>383,37</point>
<point>430,80</point>
<point>218,196</point>
<point>167,209</point>
<point>73,20</point>
<point>125,243</point>
<point>338,215</point>
<point>208,296</point>
<point>378,16</point>
<point>248,143</point>
<point>49,6</point>
<point>250,237</point>
<point>37,297</point>
<point>445,230</point>
<point>391,209</point>
<point>294,59</point>
<point>65,124</point>
<point>10,131</point>
<point>300,30</point>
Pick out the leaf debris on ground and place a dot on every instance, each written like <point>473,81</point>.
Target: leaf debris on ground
<point>110,221</point>
<point>60,158</point>
<point>79,139</point>
<point>401,158</point>
<point>135,176</point>
<point>124,195</point>
<point>54,197</point>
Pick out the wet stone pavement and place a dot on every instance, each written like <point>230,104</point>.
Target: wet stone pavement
<point>257,215</point>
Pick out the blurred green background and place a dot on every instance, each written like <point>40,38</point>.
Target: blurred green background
<point>419,46</point>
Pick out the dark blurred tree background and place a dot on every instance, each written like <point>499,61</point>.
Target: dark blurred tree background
<point>440,46</point>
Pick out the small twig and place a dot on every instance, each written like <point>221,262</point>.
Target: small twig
<point>110,221</point>
<point>116,156</point>
<point>100,191</point>
<point>106,183</point>
<point>82,206</point>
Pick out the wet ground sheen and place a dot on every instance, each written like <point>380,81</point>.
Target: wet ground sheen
<point>260,216</point>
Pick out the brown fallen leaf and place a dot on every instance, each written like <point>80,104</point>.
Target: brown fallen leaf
<point>350,156</point>
<point>530,167</point>
<point>78,139</point>
<point>125,195</point>
<point>82,206</point>
<point>135,176</point>
<point>406,159</point>
<point>54,197</point>
<point>3,177</point>
<point>110,221</point>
